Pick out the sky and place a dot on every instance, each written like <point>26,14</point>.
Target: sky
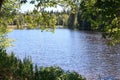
<point>29,7</point>
<point>26,7</point>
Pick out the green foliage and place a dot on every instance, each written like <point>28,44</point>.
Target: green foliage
<point>7,14</point>
<point>71,76</point>
<point>4,41</point>
<point>104,16</point>
<point>61,18</point>
<point>42,20</point>
<point>51,73</point>
<point>12,68</point>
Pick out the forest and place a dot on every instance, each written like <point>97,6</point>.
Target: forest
<point>102,16</point>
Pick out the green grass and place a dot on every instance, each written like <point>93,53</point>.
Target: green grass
<point>12,68</point>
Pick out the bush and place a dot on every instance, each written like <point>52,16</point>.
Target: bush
<point>12,68</point>
<point>71,76</point>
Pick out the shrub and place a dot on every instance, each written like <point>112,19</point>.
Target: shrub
<point>12,68</point>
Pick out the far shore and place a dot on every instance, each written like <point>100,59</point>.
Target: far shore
<point>12,26</point>
<point>25,27</point>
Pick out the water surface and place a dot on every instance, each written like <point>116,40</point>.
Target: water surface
<point>80,51</point>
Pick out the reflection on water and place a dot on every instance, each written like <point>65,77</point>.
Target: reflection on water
<point>84,52</point>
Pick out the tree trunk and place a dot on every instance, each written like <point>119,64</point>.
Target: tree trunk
<point>71,21</point>
<point>1,2</point>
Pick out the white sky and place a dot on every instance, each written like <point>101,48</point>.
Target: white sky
<point>26,7</point>
<point>29,7</point>
<point>57,8</point>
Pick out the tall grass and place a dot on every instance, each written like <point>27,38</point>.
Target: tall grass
<point>12,68</point>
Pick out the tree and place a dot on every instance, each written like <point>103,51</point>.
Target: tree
<point>104,15</point>
<point>8,9</point>
<point>1,2</point>
<point>72,21</point>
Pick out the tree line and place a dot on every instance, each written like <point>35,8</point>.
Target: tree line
<point>95,15</point>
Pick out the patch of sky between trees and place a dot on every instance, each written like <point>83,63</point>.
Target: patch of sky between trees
<point>29,7</point>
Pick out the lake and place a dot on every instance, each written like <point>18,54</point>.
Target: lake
<point>81,51</point>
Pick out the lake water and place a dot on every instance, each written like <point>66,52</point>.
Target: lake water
<point>80,51</point>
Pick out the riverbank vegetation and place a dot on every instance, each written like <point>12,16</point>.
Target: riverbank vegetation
<point>12,68</point>
<point>100,15</point>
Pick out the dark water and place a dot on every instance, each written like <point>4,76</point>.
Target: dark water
<point>83,52</point>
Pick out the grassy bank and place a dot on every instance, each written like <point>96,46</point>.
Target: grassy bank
<point>12,68</point>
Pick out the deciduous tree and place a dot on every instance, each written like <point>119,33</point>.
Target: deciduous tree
<point>104,15</point>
